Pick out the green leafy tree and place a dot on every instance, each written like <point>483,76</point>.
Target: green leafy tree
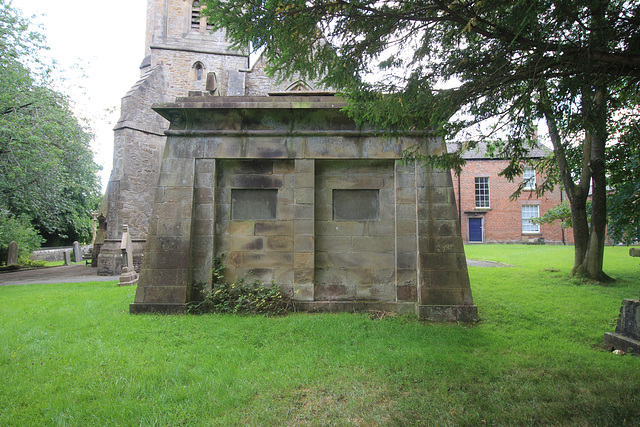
<point>624,182</point>
<point>471,70</point>
<point>20,230</point>
<point>47,172</point>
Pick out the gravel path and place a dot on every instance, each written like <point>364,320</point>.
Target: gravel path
<point>61,274</point>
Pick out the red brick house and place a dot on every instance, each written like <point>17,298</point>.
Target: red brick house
<point>486,213</point>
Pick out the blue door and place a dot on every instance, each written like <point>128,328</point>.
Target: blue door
<point>475,229</point>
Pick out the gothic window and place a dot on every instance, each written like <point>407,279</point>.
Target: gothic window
<point>198,70</point>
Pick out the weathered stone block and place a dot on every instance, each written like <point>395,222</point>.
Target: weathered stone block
<point>267,259</point>
<point>407,260</point>
<point>406,213</point>
<point>241,228</point>
<point>333,244</point>
<point>334,292</point>
<point>303,195</point>
<point>280,243</point>
<point>165,294</point>
<point>303,211</point>
<point>203,195</point>
<point>302,226</point>
<point>303,243</point>
<point>246,243</point>
<point>438,296</point>
<point>203,212</point>
<point>339,228</point>
<point>159,276</point>
<point>285,211</point>
<point>303,291</point>
<point>380,228</point>
<point>362,259</point>
<point>372,244</point>
<point>304,180</point>
<point>375,292</point>
<point>273,228</point>
<point>304,261</point>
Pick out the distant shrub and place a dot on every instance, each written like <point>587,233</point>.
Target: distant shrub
<point>27,262</point>
<point>20,230</point>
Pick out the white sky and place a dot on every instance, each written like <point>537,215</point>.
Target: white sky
<point>98,47</point>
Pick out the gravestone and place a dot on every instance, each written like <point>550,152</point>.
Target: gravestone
<point>627,334</point>
<point>128,276</point>
<point>98,241</point>
<point>12,254</point>
<point>77,252</point>
<point>67,257</point>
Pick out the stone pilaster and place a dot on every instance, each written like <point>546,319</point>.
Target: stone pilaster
<point>303,229</point>
<point>444,291</point>
<point>166,279</point>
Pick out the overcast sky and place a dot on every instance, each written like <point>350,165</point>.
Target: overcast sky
<point>98,47</point>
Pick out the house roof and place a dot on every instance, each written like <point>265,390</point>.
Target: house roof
<point>480,152</point>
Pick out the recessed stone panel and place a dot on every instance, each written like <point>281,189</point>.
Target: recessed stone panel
<point>254,204</point>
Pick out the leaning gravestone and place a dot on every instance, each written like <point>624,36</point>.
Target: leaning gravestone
<point>627,334</point>
<point>12,254</point>
<point>77,252</point>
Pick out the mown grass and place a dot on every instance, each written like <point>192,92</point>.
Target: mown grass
<point>70,354</point>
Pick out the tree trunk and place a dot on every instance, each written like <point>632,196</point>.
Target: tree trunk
<point>580,230</point>
<point>577,194</point>
<point>592,265</point>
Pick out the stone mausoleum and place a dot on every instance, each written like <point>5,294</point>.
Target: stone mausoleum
<point>275,178</point>
<point>286,188</point>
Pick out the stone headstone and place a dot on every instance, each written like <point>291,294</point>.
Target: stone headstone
<point>12,254</point>
<point>67,257</point>
<point>213,86</point>
<point>128,275</point>
<point>77,252</point>
<point>627,334</point>
<point>236,83</point>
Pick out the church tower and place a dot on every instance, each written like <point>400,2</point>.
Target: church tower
<point>182,55</point>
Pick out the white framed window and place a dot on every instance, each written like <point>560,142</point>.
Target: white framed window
<point>529,178</point>
<point>528,212</point>
<point>482,192</point>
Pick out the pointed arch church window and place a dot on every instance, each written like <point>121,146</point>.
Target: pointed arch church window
<point>199,70</point>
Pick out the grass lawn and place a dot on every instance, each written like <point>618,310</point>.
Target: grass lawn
<point>70,354</point>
